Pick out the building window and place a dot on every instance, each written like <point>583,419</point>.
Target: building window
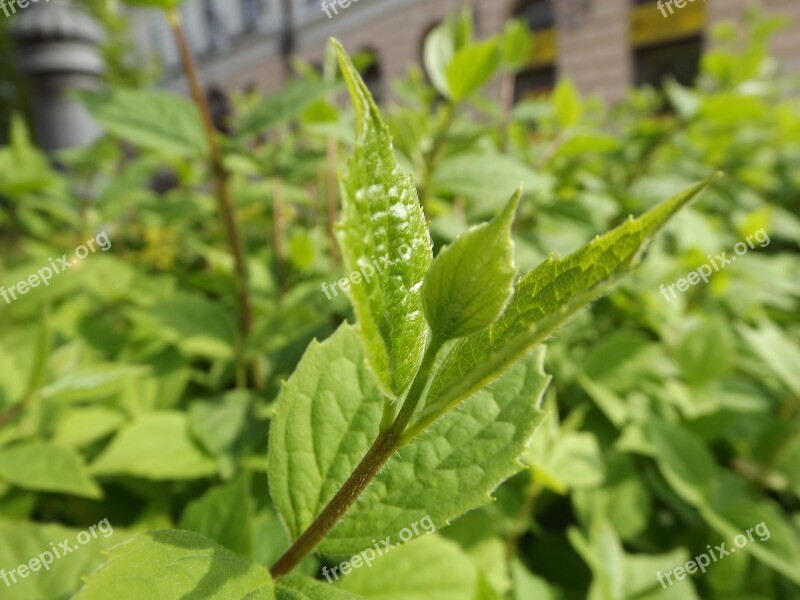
<point>252,11</point>
<point>539,75</point>
<point>535,82</point>
<point>371,72</point>
<point>538,14</point>
<point>214,26</point>
<point>680,60</point>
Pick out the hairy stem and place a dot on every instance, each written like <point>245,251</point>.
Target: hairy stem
<point>222,178</point>
<point>377,456</point>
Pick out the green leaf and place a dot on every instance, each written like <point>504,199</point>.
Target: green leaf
<point>685,101</point>
<point>574,462</point>
<point>779,353</point>
<point>158,121</point>
<point>733,508</point>
<point>155,446</point>
<point>42,353</point>
<point>686,463</point>
<point>528,586</point>
<point>487,178</point>
<point>99,381</point>
<point>283,106</point>
<point>437,54</point>
<point>425,569</point>
<point>84,426</point>
<point>176,565</point>
<point>321,428</point>
<point>724,500</point>
<point>23,167</point>
<point>642,585</point>
<point>195,324</point>
<point>223,514</point>
<point>441,45</point>
<point>218,423</point>
<point>567,104</point>
<point>298,587</point>
<point>20,542</point>
<point>605,556</point>
<point>270,540</point>
<point>705,352</point>
<point>543,299</point>
<point>470,281</point>
<point>47,467</point>
<point>328,414</point>
<point>471,67</point>
<point>515,44</point>
<point>621,359</point>
<point>455,466</point>
<point>383,220</point>
<point>623,499</point>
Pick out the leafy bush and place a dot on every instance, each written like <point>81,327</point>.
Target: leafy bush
<point>140,387</point>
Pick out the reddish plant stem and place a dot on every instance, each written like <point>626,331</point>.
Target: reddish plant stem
<point>222,179</point>
<point>377,456</point>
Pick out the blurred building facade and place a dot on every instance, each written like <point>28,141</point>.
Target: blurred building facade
<point>605,46</point>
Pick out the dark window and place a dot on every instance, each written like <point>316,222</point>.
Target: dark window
<point>371,73</point>
<point>679,59</point>
<point>252,10</point>
<point>534,82</point>
<point>538,14</point>
<point>214,25</point>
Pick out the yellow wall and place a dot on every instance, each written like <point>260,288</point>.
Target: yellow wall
<point>649,26</point>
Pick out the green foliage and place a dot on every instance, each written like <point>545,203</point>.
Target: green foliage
<point>441,475</point>
<point>158,121</point>
<point>542,300</point>
<point>382,219</point>
<point>298,587</point>
<point>21,541</point>
<point>211,515</point>
<point>282,107</point>
<point>140,447</point>
<point>176,564</point>
<point>470,282</point>
<point>46,467</point>
<point>427,568</point>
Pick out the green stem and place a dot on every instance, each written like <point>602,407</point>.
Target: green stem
<point>433,157</point>
<point>417,387</point>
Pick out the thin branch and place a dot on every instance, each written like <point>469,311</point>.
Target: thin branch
<point>222,178</point>
<point>377,456</point>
